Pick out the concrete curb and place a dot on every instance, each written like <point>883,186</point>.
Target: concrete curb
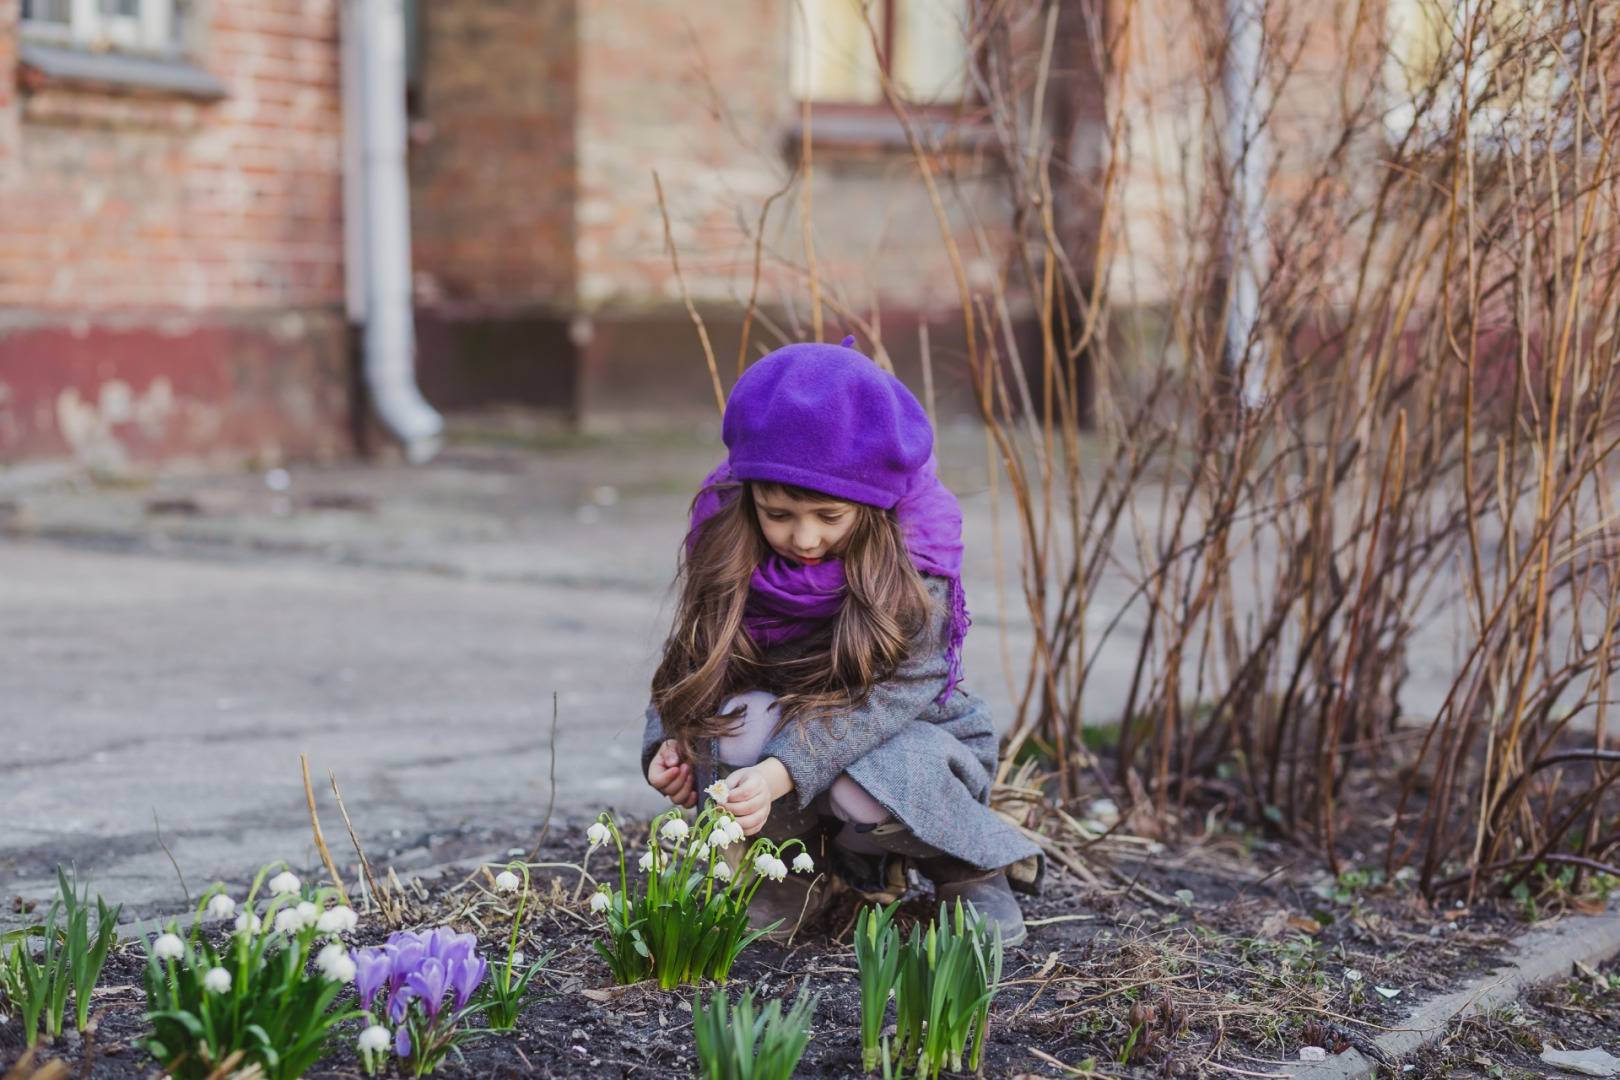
<point>1539,956</point>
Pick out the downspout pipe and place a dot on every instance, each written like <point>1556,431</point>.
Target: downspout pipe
<point>377,221</point>
<point>1248,155</point>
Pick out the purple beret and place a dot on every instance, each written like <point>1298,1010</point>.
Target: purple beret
<point>827,418</point>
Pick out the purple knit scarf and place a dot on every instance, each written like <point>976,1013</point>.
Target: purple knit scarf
<point>788,601</point>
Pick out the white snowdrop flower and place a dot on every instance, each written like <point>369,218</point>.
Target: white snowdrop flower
<point>506,881</point>
<point>600,900</point>
<point>646,861</point>
<point>217,981</point>
<point>338,920</point>
<point>718,791</point>
<point>598,833</point>
<point>375,1039</point>
<point>722,871</point>
<point>803,863</point>
<point>734,830</point>
<point>700,850</point>
<point>335,964</point>
<point>284,883</point>
<point>765,863</point>
<point>675,829</point>
<point>289,921</point>
<point>248,923</point>
<point>308,913</point>
<point>169,947</point>
<point>778,869</point>
<point>221,906</point>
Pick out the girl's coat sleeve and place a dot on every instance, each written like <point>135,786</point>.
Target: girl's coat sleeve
<point>815,753</point>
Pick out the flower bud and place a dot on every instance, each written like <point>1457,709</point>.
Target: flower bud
<point>506,881</point>
<point>646,862</point>
<point>221,906</point>
<point>169,947</point>
<point>284,883</point>
<point>217,981</point>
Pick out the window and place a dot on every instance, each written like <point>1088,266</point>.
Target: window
<point>1511,58</point>
<point>136,25</point>
<point>922,42</point>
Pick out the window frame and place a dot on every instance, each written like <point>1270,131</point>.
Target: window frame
<point>153,32</point>
<point>885,58</point>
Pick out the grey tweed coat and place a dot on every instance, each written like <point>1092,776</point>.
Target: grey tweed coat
<point>929,764</point>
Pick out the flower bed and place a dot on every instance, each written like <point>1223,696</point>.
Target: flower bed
<point>1132,970</point>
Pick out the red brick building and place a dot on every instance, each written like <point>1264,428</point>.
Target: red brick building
<point>171,208</point>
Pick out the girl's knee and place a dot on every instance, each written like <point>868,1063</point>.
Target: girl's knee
<point>850,802</point>
<point>751,731</point>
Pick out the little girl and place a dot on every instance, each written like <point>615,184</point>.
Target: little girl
<point>815,661</point>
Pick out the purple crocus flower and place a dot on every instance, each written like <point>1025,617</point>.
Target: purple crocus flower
<point>402,1043</point>
<point>407,952</point>
<point>443,943</point>
<point>372,968</point>
<point>464,979</point>
<point>429,982</point>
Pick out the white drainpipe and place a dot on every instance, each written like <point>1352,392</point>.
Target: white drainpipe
<point>1248,154</point>
<point>377,220</point>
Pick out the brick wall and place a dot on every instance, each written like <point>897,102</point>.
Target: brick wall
<point>193,241</point>
<point>701,94</point>
<point>492,160</point>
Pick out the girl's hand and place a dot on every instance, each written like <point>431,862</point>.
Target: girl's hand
<point>753,789</point>
<point>672,776</point>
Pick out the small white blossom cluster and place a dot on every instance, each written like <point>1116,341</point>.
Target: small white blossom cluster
<point>770,866</point>
<point>335,963</point>
<point>675,829</point>
<point>718,792</point>
<point>726,831</point>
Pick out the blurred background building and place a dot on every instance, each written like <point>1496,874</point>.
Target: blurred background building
<point>172,234</point>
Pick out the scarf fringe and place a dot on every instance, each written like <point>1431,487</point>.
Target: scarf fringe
<point>956,632</point>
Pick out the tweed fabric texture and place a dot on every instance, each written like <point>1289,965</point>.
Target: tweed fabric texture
<point>929,762</point>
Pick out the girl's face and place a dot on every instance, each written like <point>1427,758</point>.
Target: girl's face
<point>808,531</point>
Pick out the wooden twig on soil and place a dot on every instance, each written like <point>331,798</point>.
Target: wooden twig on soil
<point>170,854</point>
<point>384,905</point>
<point>320,841</point>
<point>551,802</point>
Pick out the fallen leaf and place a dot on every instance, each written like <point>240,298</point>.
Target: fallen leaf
<point>1304,925</point>
<point>1274,924</point>
<point>1589,905</point>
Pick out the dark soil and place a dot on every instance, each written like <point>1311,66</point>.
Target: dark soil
<point>1235,945</point>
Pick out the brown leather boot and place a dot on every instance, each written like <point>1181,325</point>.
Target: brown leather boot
<point>986,890</point>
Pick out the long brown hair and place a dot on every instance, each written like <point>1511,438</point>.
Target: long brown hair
<point>710,656</point>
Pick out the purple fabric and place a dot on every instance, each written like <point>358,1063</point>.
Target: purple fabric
<point>826,418</point>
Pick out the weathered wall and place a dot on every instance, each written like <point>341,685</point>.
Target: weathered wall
<point>158,249</point>
<point>701,95</point>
